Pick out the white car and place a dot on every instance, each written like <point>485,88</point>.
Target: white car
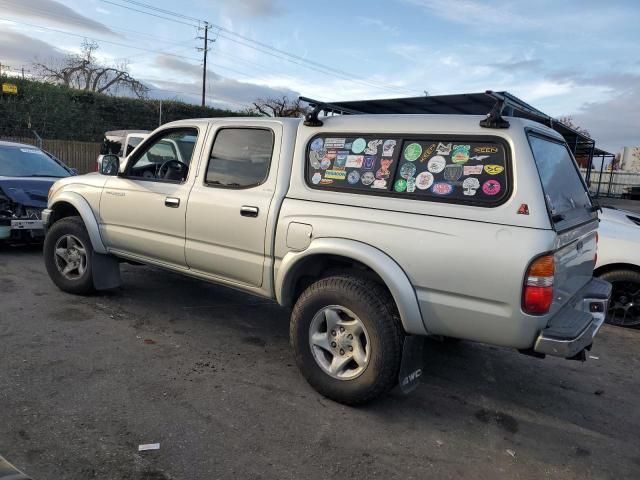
<point>619,263</point>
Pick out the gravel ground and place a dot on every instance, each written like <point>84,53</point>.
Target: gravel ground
<point>207,372</point>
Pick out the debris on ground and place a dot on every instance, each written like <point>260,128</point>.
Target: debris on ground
<point>511,452</point>
<point>148,446</point>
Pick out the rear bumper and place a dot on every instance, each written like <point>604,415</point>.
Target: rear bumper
<point>573,328</point>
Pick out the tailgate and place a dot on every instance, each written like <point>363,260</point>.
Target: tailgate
<point>574,262</point>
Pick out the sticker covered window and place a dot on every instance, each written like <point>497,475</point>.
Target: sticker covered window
<point>352,162</point>
<point>458,171</point>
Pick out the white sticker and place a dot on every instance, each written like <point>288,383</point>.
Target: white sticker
<point>372,147</point>
<point>379,184</point>
<point>436,164</point>
<point>470,185</point>
<point>424,180</point>
<point>354,161</point>
<point>334,142</point>
<point>316,178</point>
<point>388,147</point>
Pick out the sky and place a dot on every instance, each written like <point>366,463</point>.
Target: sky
<point>575,57</point>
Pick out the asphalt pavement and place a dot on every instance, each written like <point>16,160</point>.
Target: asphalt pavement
<point>207,373</point>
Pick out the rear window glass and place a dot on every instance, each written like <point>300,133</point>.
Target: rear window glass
<point>432,169</point>
<point>565,192</point>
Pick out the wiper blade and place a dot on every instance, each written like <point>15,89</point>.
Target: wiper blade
<point>47,176</point>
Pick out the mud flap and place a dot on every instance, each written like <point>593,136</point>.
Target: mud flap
<point>106,271</point>
<point>411,364</point>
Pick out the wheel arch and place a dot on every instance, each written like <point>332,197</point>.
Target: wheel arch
<point>330,254</point>
<point>611,267</point>
<point>71,204</point>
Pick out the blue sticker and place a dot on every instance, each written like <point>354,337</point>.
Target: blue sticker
<point>317,144</point>
<point>358,146</point>
<point>369,162</point>
<point>353,177</point>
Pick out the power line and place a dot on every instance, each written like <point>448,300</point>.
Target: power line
<point>153,15</point>
<point>267,49</point>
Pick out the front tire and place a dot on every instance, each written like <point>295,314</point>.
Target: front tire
<point>68,255</point>
<point>347,339</point>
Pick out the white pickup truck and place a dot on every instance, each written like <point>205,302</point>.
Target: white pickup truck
<point>377,230</point>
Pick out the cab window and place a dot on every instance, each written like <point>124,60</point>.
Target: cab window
<point>166,158</point>
<point>240,157</point>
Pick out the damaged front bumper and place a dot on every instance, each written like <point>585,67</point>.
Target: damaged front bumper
<point>19,228</point>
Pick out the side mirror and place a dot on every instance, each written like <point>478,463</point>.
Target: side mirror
<point>110,165</point>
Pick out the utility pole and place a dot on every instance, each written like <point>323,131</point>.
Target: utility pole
<point>205,50</point>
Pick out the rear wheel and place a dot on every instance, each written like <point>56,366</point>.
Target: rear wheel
<point>347,339</point>
<point>624,307</point>
<point>68,256</point>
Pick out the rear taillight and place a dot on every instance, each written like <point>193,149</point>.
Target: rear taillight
<point>538,287</point>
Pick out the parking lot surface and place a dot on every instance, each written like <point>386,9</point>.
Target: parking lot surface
<point>207,372</point>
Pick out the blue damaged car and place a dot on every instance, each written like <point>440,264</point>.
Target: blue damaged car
<point>26,174</point>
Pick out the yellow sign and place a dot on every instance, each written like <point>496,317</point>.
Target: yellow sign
<point>9,88</point>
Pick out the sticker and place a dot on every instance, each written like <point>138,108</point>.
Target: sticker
<point>412,152</point>
<point>428,152</point>
<point>316,178</point>
<point>334,143</point>
<point>354,161</point>
<point>443,149</point>
<point>460,153</point>
<point>442,188</point>
<point>341,159</point>
<point>313,160</point>
<point>367,178</point>
<point>491,187</point>
<point>523,209</point>
<point>424,180</point>
<point>379,184</point>
<point>325,163</point>
<point>436,164</point>
<point>358,146</point>
<point>472,170</point>
<point>453,172</point>
<point>326,181</point>
<point>317,144</point>
<point>407,170</point>
<point>32,150</point>
<point>479,158</point>
<point>470,185</point>
<point>347,146</point>
<point>493,169</point>
<point>383,171</point>
<point>400,186</point>
<point>331,154</point>
<point>388,147</point>
<point>353,177</point>
<point>485,149</point>
<point>369,162</point>
<point>335,174</point>
<point>372,147</point>
<point>411,184</point>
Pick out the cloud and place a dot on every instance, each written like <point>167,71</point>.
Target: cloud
<point>53,12</point>
<point>376,22</point>
<point>252,8</point>
<point>19,49</point>
<point>222,90</point>
<point>471,12</point>
<point>517,66</point>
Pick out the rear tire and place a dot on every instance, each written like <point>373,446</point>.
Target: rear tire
<point>363,317</point>
<point>68,256</point>
<point>624,307</point>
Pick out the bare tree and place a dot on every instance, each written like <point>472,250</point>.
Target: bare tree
<point>279,107</point>
<point>570,122</point>
<point>84,72</point>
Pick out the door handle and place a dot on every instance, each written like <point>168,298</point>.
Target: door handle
<point>247,211</point>
<point>172,202</point>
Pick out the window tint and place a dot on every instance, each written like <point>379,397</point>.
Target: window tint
<point>167,157</point>
<point>564,190</point>
<point>240,157</point>
<point>471,171</point>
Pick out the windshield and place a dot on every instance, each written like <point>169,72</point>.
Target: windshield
<point>28,162</point>
<point>565,192</point>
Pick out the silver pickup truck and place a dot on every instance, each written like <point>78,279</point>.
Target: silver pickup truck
<point>376,230</point>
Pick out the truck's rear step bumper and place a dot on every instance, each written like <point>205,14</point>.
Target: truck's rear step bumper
<point>572,329</point>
